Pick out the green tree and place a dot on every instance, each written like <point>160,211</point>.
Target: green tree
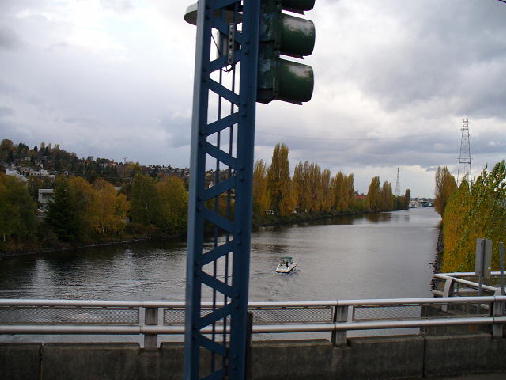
<point>61,214</point>
<point>17,210</point>
<point>69,214</point>
<point>173,198</point>
<point>7,150</point>
<point>144,200</point>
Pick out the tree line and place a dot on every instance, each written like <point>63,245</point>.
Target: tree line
<point>474,209</point>
<point>58,161</point>
<point>311,190</point>
<point>84,212</point>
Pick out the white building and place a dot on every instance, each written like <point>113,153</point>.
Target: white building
<point>14,173</point>
<point>45,196</point>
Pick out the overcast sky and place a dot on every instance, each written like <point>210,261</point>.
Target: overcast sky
<point>393,80</point>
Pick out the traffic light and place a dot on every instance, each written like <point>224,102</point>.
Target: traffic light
<point>283,34</point>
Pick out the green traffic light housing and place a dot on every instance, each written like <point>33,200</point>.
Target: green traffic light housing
<point>283,34</point>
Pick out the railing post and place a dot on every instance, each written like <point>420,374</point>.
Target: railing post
<point>447,292</point>
<point>497,311</point>
<point>150,318</point>
<point>340,316</point>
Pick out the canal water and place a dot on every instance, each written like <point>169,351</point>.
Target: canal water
<point>374,256</point>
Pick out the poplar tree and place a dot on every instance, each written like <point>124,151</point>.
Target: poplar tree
<point>387,202</point>
<point>445,186</point>
<point>278,183</point>
<point>261,201</point>
<point>326,195</point>
<point>474,211</point>
<point>374,198</point>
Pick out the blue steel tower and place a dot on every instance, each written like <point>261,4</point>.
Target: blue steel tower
<point>231,52</point>
<point>222,145</point>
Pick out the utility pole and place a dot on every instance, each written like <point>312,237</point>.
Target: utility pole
<point>464,168</point>
<point>236,64</point>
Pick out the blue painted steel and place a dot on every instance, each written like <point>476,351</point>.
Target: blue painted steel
<point>203,210</point>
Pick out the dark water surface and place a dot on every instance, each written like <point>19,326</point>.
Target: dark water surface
<point>376,256</point>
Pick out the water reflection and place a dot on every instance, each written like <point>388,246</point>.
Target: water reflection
<point>378,218</point>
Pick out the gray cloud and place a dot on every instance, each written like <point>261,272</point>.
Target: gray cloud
<point>393,80</point>
<point>449,49</point>
<point>6,111</point>
<point>9,40</point>
<point>118,5</point>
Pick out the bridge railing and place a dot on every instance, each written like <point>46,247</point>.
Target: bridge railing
<point>150,319</point>
<point>462,284</point>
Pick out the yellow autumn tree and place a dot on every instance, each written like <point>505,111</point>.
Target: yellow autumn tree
<point>445,186</point>
<point>374,196</point>
<point>278,181</point>
<point>326,189</point>
<point>387,200</point>
<point>300,186</point>
<point>475,211</point>
<point>108,209</point>
<point>81,195</point>
<point>173,204</point>
<point>261,201</point>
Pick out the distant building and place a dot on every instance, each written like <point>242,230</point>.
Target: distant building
<point>45,196</point>
<point>15,173</point>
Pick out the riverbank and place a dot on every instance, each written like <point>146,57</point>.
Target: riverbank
<point>276,220</point>
<point>35,248</point>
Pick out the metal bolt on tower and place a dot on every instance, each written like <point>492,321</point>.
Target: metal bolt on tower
<point>464,168</point>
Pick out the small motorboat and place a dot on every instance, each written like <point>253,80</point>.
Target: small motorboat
<point>286,265</point>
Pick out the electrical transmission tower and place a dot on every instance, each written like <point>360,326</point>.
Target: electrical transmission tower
<point>397,185</point>
<point>464,169</point>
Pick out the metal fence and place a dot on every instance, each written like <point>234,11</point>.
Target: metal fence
<point>462,284</point>
<point>150,319</point>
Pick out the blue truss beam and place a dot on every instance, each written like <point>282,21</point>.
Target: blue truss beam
<point>203,210</point>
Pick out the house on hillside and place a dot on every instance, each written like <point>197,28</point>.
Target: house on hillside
<point>15,173</point>
<point>45,196</point>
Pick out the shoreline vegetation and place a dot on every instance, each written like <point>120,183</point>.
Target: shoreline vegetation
<point>470,210</point>
<point>273,221</point>
<point>97,202</point>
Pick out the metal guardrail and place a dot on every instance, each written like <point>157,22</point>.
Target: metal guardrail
<point>152,318</point>
<point>460,284</point>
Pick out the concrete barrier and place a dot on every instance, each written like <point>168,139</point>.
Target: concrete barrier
<point>362,358</point>
<point>20,361</point>
<point>457,355</point>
